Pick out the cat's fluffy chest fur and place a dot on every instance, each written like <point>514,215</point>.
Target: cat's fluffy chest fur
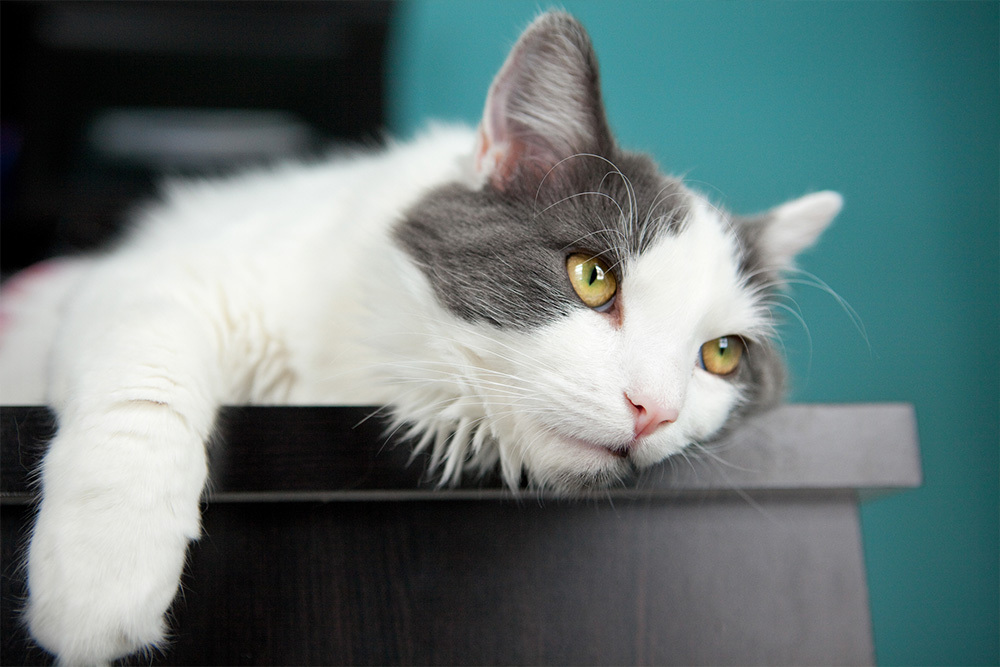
<point>526,296</point>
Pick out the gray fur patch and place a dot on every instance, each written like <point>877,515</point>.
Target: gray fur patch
<point>755,264</point>
<point>500,258</point>
<point>762,373</point>
<point>762,379</point>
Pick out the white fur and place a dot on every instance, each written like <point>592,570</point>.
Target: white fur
<point>283,287</point>
<point>250,290</point>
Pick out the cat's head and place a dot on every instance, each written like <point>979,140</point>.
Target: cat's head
<point>597,315</point>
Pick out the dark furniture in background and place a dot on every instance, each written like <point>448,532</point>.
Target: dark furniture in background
<point>323,547</point>
<point>79,78</point>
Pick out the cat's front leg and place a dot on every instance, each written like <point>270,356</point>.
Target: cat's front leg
<point>121,484</point>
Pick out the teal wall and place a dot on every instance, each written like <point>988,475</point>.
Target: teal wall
<point>897,106</point>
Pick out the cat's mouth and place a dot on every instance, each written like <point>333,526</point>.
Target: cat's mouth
<point>621,452</point>
<point>618,452</point>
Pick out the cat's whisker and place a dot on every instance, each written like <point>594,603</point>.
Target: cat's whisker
<point>549,172</point>
<point>721,470</point>
<point>796,314</point>
<point>579,194</point>
<point>709,452</point>
<point>607,232</point>
<point>629,217</point>
<point>679,213</point>
<point>852,314</point>
<point>702,184</point>
<point>623,218</point>
<point>811,280</point>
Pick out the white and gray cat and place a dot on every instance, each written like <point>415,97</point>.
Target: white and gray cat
<point>527,296</point>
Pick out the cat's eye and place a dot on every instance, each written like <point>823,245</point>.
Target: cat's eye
<point>592,280</point>
<point>722,355</point>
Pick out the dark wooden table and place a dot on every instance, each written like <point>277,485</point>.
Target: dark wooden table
<point>322,546</point>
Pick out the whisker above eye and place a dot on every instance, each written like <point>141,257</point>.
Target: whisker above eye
<point>580,194</point>
<point>618,239</point>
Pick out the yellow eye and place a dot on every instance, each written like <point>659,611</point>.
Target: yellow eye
<point>722,355</point>
<point>592,279</point>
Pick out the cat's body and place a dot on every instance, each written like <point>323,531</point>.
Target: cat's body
<point>279,261</point>
<point>527,296</point>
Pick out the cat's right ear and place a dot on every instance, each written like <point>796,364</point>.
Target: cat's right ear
<point>544,106</point>
<point>785,231</point>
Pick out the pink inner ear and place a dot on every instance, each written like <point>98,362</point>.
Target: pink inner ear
<point>498,161</point>
<point>482,148</point>
<point>544,105</point>
<point>497,154</point>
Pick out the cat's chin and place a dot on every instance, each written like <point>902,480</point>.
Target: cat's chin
<point>571,483</point>
<point>574,466</point>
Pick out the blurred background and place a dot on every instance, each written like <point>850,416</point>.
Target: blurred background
<point>101,100</point>
<point>895,105</point>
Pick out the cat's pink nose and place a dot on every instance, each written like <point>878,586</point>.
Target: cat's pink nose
<point>650,414</point>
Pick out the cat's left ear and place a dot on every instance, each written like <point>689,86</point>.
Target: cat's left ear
<point>785,231</point>
<point>543,106</point>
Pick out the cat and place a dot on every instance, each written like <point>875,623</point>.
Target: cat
<point>525,297</point>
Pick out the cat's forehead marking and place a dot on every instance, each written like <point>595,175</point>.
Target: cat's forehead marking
<point>501,259</point>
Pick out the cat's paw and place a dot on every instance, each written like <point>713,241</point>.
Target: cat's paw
<point>99,586</point>
<point>109,545</point>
